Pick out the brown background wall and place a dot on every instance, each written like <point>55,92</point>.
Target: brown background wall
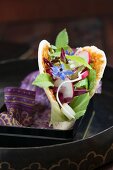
<point>27,21</point>
<point>16,10</point>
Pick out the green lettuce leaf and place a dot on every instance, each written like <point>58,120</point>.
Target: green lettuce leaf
<point>79,104</point>
<point>43,80</point>
<point>56,114</point>
<point>79,61</point>
<point>92,79</point>
<point>79,70</point>
<point>92,82</point>
<point>55,54</point>
<point>53,47</point>
<point>62,39</point>
<point>82,83</point>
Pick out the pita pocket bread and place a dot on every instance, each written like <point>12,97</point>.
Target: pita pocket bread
<point>70,77</point>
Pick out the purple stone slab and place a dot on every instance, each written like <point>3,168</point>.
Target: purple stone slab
<point>42,119</point>
<point>40,98</point>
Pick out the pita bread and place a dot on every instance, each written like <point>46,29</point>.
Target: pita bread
<point>98,59</point>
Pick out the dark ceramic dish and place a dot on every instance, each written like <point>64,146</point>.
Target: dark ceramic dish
<point>41,137</point>
<point>92,147</point>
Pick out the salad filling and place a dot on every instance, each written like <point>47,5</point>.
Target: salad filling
<point>69,75</point>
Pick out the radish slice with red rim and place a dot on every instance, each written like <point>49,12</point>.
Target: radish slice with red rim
<point>66,109</point>
<point>67,88</point>
<point>85,74</point>
<point>85,55</point>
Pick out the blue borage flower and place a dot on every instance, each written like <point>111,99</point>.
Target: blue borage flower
<point>59,71</point>
<point>70,52</point>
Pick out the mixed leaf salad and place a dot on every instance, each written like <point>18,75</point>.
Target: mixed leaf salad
<point>70,76</point>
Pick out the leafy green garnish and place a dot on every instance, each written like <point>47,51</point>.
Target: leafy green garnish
<point>79,60</point>
<point>53,47</point>
<point>79,70</point>
<point>82,83</point>
<point>56,114</point>
<point>62,39</point>
<point>79,104</point>
<point>43,80</point>
<point>55,54</point>
<point>61,42</point>
<point>92,79</point>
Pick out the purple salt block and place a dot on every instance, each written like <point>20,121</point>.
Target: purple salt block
<point>27,82</point>
<point>42,119</point>
<point>41,99</point>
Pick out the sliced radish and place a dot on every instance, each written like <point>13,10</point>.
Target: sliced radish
<point>85,74</point>
<point>65,108</point>
<point>57,82</point>
<point>67,89</point>
<point>85,55</point>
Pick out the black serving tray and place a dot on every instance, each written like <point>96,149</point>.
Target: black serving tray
<point>41,137</point>
<point>44,137</point>
<point>88,151</point>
